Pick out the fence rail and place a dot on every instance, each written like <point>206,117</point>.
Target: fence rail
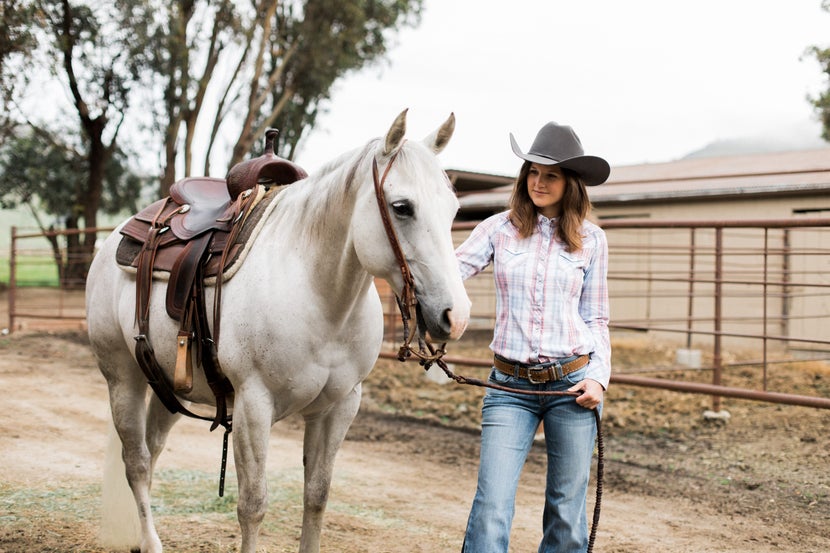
<point>717,287</point>
<point>708,287</point>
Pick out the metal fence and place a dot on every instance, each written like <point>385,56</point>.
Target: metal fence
<point>708,288</point>
<point>728,295</point>
<point>37,296</point>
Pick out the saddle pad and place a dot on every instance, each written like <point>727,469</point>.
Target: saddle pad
<point>170,247</point>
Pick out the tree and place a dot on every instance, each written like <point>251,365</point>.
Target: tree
<point>17,40</point>
<point>96,62</point>
<point>266,63</point>
<point>822,102</point>
<point>52,184</point>
<point>280,60</point>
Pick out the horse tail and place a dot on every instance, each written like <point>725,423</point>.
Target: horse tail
<point>120,527</point>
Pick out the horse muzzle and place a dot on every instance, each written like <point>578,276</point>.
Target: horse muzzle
<point>442,323</point>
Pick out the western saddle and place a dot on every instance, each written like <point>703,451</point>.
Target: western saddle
<point>195,234</point>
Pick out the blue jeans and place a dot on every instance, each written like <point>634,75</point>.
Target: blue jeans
<point>508,425</point>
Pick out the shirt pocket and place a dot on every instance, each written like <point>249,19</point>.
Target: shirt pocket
<point>511,258</point>
<point>570,272</point>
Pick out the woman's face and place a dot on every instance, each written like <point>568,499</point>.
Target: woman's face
<point>546,186</point>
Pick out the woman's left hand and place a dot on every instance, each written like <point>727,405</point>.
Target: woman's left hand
<point>592,393</point>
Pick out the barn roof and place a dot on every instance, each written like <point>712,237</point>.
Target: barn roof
<point>767,174</point>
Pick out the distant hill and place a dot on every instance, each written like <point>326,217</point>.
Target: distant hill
<point>801,136</point>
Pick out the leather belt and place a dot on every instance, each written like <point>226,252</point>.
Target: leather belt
<point>542,373</point>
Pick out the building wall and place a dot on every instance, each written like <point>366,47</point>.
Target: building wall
<point>749,207</point>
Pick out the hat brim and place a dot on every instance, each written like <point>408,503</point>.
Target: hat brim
<point>593,170</point>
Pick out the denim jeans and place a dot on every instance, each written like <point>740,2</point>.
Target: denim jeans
<point>509,423</point>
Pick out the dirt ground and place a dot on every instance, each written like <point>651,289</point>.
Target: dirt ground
<point>405,477</point>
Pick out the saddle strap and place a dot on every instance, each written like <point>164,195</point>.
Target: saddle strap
<point>183,275</point>
<point>244,203</point>
<point>216,379</point>
<point>144,276</point>
<point>183,373</point>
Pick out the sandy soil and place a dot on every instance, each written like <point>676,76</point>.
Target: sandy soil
<point>406,474</point>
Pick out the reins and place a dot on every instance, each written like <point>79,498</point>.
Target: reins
<point>428,354</point>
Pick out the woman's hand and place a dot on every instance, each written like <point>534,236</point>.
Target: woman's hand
<point>592,393</point>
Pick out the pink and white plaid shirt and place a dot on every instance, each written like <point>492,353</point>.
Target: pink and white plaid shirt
<point>550,303</point>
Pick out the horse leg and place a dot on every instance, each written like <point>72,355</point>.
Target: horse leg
<point>252,419</point>
<point>127,401</point>
<point>159,422</point>
<point>324,434</point>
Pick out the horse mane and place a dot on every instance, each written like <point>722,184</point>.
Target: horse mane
<point>321,194</point>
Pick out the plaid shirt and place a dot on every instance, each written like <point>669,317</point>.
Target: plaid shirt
<point>550,303</point>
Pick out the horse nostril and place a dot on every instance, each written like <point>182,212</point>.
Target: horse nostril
<point>456,326</point>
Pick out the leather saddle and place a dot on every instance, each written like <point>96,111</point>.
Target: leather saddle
<point>195,233</point>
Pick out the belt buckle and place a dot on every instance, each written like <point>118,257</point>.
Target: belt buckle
<point>543,371</point>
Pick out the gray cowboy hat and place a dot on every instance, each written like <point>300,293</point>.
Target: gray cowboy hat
<point>558,145</point>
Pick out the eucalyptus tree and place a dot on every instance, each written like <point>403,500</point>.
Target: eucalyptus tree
<point>82,46</point>
<point>821,103</point>
<point>268,63</point>
<point>45,176</point>
<point>17,41</point>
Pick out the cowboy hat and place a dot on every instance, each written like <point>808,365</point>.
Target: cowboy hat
<point>558,145</point>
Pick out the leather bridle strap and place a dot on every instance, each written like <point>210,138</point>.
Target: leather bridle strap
<point>407,301</point>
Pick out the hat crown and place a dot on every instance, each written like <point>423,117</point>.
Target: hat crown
<point>556,142</point>
<point>559,145</point>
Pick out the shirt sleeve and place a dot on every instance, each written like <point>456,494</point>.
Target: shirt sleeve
<point>594,310</point>
<point>476,253</point>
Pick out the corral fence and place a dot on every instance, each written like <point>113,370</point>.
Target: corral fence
<point>709,288</point>
<point>33,269</point>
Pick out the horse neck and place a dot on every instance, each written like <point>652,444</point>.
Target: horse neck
<point>315,214</point>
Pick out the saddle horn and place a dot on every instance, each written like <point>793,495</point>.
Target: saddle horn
<point>267,169</point>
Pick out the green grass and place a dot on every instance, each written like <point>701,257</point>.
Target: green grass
<point>31,271</point>
<point>27,504</point>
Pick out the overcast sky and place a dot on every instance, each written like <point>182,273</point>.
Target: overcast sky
<point>639,80</point>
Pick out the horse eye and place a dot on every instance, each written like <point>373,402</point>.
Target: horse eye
<point>403,208</point>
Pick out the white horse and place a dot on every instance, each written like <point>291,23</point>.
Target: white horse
<point>302,323</point>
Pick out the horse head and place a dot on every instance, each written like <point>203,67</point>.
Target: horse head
<point>420,207</point>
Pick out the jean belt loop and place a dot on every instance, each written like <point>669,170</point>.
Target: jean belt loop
<point>557,369</point>
<point>516,368</point>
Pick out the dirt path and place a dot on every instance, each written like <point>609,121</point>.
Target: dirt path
<point>404,485</point>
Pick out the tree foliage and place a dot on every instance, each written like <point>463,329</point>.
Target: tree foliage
<point>17,40</point>
<point>172,69</point>
<point>821,103</point>
<point>51,185</point>
<point>269,62</point>
<point>94,59</point>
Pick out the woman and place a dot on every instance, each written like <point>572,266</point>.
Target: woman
<point>550,267</point>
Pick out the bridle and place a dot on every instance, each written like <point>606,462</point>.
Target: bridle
<point>428,354</point>
<point>407,300</point>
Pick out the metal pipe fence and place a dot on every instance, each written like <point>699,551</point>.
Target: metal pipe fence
<point>730,295</point>
<point>710,288</point>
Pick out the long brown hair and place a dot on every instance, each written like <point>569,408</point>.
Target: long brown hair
<point>576,206</point>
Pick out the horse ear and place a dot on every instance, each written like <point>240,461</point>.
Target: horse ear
<point>394,138</point>
<point>439,139</point>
